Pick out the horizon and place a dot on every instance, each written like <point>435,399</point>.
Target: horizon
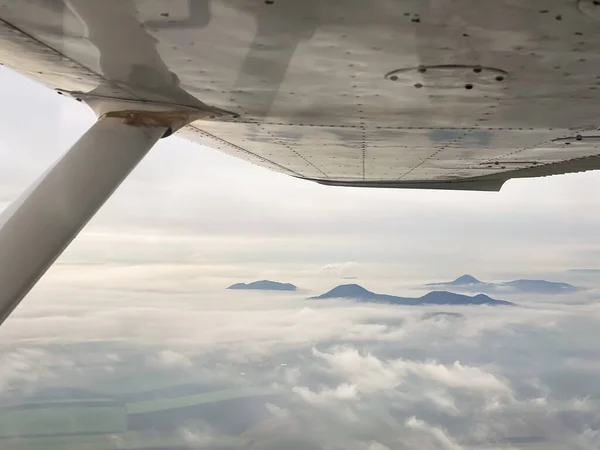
<point>430,284</point>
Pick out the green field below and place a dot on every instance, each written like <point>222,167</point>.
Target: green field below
<point>48,421</point>
<point>163,404</point>
<point>94,424</point>
<point>124,441</point>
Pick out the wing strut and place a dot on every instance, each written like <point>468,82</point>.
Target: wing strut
<point>36,229</point>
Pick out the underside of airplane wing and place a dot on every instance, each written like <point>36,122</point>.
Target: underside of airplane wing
<point>384,93</point>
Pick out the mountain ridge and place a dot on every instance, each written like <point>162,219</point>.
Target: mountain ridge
<point>359,293</point>
<point>470,283</point>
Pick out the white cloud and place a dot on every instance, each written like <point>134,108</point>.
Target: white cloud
<point>169,358</point>
<point>28,366</point>
<point>342,392</point>
<point>366,372</point>
<point>442,400</point>
<point>377,446</point>
<point>197,437</point>
<point>351,368</point>
<point>458,376</point>
<point>440,440</point>
<point>370,373</point>
<point>342,270</point>
<point>588,439</point>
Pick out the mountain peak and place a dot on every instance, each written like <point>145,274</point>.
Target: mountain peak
<point>465,279</point>
<point>348,291</point>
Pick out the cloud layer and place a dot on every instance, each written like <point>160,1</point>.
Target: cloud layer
<point>351,375</point>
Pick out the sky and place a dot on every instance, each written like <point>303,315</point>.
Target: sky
<point>138,301</point>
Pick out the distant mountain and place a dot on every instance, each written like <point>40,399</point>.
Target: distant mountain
<point>585,271</point>
<point>541,286</point>
<point>264,285</point>
<point>464,280</point>
<point>359,293</point>
<point>471,284</point>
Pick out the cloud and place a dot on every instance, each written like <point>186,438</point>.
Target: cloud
<point>451,389</point>
<point>342,392</point>
<point>366,372</point>
<point>353,374</point>
<point>434,437</point>
<point>342,270</point>
<point>28,366</point>
<point>198,437</point>
<point>458,376</point>
<point>169,358</point>
<point>377,446</point>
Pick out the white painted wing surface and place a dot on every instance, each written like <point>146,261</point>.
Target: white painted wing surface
<point>384,93</point>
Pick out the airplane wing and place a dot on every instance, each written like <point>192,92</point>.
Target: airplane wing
<point>385,93</point>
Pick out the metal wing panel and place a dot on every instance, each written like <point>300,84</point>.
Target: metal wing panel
<point>31,57</point>
<point>387,92</point>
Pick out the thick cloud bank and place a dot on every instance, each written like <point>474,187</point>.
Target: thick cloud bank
<point>317,374</point>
